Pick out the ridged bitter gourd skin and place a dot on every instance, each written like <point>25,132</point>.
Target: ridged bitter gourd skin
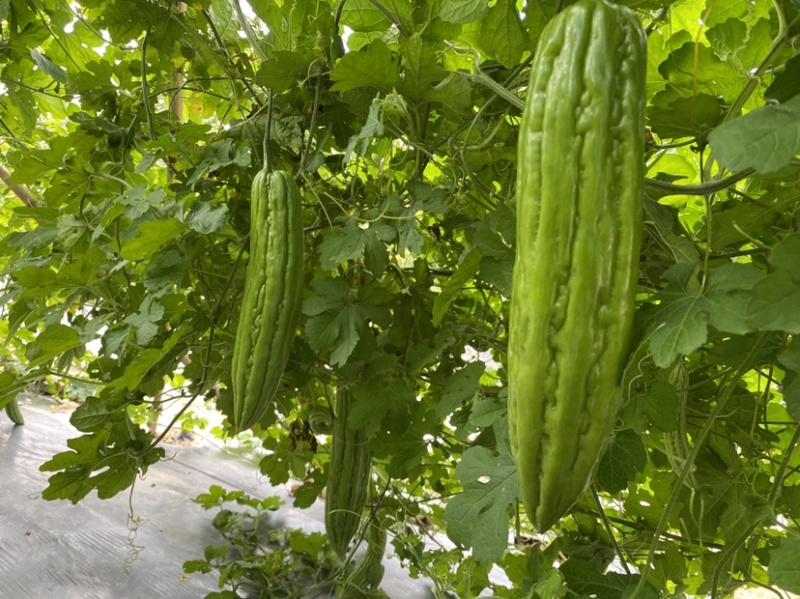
<point>14,413</point>
<point>272,294</point>
<point>579,202</point>
<point>348,477</point>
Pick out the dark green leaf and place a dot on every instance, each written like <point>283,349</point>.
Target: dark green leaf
<point>686,117</point>
<point>624,458</point>
<point>766,139</point>
<point>784,565</point>
<point>686,309</point>
<point>786,84</point>
<point>466,270</point>
<point>460,387</point>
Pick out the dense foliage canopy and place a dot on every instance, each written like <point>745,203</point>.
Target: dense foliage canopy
<point>130,133</point>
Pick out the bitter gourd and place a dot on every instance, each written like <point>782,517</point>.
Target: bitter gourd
<point>580,178</point>
<point>365,580</point>
<point>271,301</point>
<point>14,413</point>
<point>348,477</point>
<point>320,420</point>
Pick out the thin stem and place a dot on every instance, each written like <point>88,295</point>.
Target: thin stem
<point>151,129</point>
<point>727,390</point>
<point>268,132</point>
<point>610,531</point>
<point>700,189</point>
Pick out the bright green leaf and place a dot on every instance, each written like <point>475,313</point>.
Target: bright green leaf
<point>49,67</point>
<point>363,15</point>
<point>376,67</point>
<point>502,34</point>
<point>462,11</point>
<point>478,518</point>
<point>52,342</point>
<point>152,235</point>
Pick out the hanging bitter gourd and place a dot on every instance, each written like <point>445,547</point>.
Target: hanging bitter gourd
<point>348,477</point>
<point>580,178</point>
<point>365,580</point>
<point>14,413</point>
<point>320,420</point>
<point>271,301</point>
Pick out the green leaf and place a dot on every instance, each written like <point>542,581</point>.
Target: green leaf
<point>460,387</point>
<point>376,67</point>
<point>686,117</point>
<point>107,461</point>
<point>380,406</point>
<point>95,413</point>
<point>478,518</point>
<point>765,139</point>
<point>454,92</point>
<point>622,461</point>
<point>497,263</point>
<point>352,242</point>
<point>470,265</point>
<point>694,68</point>
<point>372,129</point>
<point>502,34</point>
<point>219,154</point>
<point>363,15</point>
<point>55,340</point>
<point>206,218</point>
<point>462,11</point>
<point>586,581</point>
<point>488,412</point>
<point>775,305</point>
<point>685,309</point>
<point>283,69</point>
<point>737,221</point>
<point>784,255</point>
<point>153,234</point>
<point>786,84</point>
<point>146,320</point>
<point>49,67</point>
<point>336,321</point>
<point>662,406</point>
<point>784,565</point>
<point>790,360</point>
<point>403,450</point>
<point>421,69</point>
<point>775,302</point>
<point>136,370</point>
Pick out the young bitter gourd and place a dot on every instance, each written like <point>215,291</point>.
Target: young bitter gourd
<point>579,200</point>
<point>348,477</point>
<point>272,293</point>
<point>14,413</point>
<point>320,420</point>
<point>365,580</point>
